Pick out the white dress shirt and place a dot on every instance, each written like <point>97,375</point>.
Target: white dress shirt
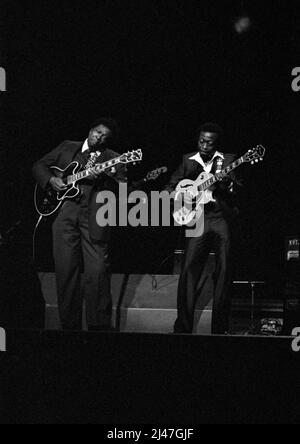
<point>85,147</point>
<point>207,166</point>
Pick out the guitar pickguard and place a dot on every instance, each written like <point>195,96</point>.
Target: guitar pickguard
<point>187,192</point>
<point>191,188</point>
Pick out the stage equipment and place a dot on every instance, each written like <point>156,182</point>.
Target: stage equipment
<point>292,284</point>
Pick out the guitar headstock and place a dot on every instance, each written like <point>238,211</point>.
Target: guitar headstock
<point>153,175</point>
<point>132,156</point>
<point>255,155</point>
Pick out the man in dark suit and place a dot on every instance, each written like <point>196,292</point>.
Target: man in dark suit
<point>218,219</point>
<point>76,235</point>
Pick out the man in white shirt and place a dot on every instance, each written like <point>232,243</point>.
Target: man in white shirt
<point>218,217</point>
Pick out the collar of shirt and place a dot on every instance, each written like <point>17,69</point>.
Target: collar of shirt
<point>207,166</point>
<point>85,148</point>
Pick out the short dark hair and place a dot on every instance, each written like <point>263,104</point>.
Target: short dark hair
<point>211,127</point>
<point>111,124</point>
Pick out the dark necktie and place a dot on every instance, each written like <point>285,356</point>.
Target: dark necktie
<point>91,158</point>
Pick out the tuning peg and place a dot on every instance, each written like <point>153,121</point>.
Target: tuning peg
<point>252,163</point>
<point>256,160</point>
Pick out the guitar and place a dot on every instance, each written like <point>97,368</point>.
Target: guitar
<point>152,175</point>
<point>193,194</point>
<point>48,201</point>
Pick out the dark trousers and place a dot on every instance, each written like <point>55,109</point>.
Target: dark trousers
<point>72,246</point>
<point>216,237</point>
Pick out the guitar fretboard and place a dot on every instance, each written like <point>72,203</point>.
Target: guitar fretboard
<point>208,183</point>
<point>98,168</point>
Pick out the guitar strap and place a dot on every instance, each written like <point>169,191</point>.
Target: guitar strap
<point>220,164</point>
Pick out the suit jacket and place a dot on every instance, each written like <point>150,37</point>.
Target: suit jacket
<point>225,205</point>
<point>61,157</point>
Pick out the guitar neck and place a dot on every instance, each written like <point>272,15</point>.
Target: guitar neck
<point>98,168</point>
<point>208,183</point>
<point>140,182</point>
<point>149,177</point>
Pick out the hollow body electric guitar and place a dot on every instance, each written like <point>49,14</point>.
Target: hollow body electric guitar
<point>190,195</point>
<point>48,201</point>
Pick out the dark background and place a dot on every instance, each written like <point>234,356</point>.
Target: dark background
<point>160,68</point>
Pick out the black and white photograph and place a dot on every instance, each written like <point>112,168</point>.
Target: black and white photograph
<point>149,214</point>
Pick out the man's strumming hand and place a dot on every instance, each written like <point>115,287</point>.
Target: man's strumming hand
<point>57,183</point>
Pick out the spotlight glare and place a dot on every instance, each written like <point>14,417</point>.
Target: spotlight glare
<point>242,24</point>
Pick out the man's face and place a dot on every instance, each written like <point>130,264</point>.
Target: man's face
<point>207,144</point>
<point>98,137</point>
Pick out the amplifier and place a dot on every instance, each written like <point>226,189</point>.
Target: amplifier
<point>292,275</point>
<point>292,249</point>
